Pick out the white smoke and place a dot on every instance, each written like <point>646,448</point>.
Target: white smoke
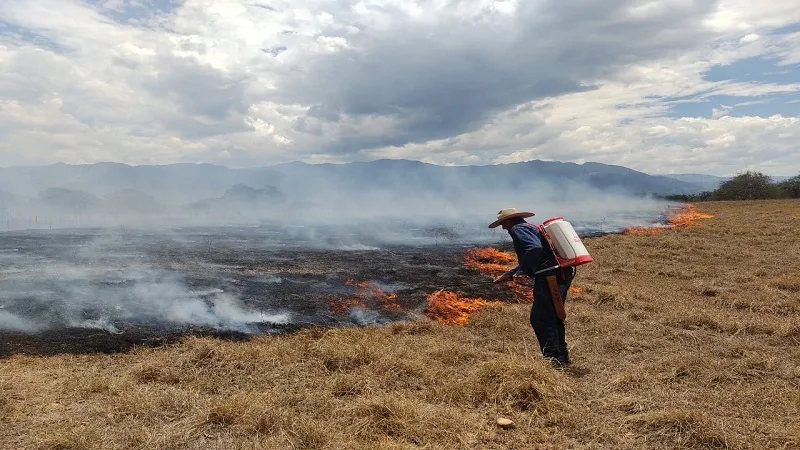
<point>11,322</point>
<point>364,317</point>
<point>107,283</point>
<point>104,292</point>
<point>326,212</point>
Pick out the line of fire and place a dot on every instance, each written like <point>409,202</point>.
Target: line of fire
<point>234,289</point>
<point>450,307</point>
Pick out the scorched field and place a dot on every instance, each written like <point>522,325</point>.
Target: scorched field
<point>682,337</point>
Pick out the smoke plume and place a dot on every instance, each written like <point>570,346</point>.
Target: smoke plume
<point>91,254</point>
<point>101,284</point>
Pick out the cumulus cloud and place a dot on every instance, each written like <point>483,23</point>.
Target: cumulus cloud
<point>472,82</point>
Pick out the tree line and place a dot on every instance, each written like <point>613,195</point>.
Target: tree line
<point>746,186</point>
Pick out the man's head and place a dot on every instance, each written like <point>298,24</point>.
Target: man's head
<point>509,223</point>
<point>509,217</point>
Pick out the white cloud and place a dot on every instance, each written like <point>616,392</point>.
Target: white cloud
<point>472,82</point>
<point>752,37</point>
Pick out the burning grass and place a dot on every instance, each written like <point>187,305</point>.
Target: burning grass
<point>680,218</point>
<point>679,340</point>
<point>450,308</point>
<point>489,260</point>
<point>369,295</point>
<point>494,262</point>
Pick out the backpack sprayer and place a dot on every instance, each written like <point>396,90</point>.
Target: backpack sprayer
<point>567,247</point>
<point>568,251</point>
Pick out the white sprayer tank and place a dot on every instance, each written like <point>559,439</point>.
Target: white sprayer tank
<point>568,247</point>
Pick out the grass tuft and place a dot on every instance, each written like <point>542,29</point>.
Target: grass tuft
<point>788,283</point>
<point>513,383</point>
<point>681,429</point>
<point>342,352</point>
<point>5,406</point>
<point>404,421</point>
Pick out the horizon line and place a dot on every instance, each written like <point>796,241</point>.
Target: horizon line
<point>61,163</point>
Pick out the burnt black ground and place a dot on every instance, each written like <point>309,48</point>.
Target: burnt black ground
<point>259,276</point>
<point>109,290</point>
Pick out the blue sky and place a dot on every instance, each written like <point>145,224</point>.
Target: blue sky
<point>664,87</point>
<point>757,69</point>
<point>135,11</point>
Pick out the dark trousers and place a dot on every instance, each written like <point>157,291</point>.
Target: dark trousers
<point>546,325</point>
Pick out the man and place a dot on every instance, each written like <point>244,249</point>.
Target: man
<point>534,257</point>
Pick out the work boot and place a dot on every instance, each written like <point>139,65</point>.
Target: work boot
<point>560,360</point>
<point>559,363</point>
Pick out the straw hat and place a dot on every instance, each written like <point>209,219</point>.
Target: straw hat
<point>509,213</point>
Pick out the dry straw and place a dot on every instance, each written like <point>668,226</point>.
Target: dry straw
<point>682,339</point>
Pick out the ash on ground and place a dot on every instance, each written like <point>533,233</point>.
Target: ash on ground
<point>84,291</point>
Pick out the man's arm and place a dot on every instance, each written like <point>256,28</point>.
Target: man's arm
<point>532,249</point>
<point>529,252</point>
<point>508,275</point>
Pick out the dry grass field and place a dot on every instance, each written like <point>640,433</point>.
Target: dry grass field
<point>687,338</point>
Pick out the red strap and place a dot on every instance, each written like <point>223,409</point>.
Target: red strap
<point>538,227</point>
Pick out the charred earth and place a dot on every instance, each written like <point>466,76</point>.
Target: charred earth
<point>85,291</point>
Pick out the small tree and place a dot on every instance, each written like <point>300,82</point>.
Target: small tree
<point>747,186</point>
<point>790,188</point>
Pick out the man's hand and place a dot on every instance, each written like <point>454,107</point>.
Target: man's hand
<point>521,279</point>
<point>502,278</point>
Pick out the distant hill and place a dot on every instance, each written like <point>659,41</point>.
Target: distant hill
<point>170,183</point>
<point>68,199</point>
<point>705,182</point>
<point>190,183</point>
<point>240,197</point>
<point>304,195</point>
<point>129,201</point>
<point>9,202</point>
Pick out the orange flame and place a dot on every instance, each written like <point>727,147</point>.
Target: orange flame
<point>366,293</point>
<point>676,219</point>
<point>489,260</point>
<point>450,308</point>
<point>370,290</point>
<point>341,306</point>
<point>494,262</point>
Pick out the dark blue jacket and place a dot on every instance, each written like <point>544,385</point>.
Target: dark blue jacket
<point>532,253</point>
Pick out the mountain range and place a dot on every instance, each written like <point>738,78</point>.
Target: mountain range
<point>119,189</point>
<point>194,182</point>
